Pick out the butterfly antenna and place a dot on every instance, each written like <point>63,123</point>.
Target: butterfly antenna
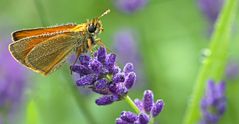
<point>105,13</point>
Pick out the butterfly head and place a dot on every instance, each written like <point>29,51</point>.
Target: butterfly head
<point>95,26</point>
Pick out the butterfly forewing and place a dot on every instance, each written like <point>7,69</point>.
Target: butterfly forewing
<point>22,47</point>
<point>17,35</point>
<point>48,55</point>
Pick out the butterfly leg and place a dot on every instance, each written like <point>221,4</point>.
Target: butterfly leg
<point>100,43</point>
<point>90,45</point>
<point>79,50</point>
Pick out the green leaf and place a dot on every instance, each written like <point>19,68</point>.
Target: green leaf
<point>32,113</point>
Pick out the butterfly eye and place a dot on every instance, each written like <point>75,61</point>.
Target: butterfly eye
<point>91,28</point>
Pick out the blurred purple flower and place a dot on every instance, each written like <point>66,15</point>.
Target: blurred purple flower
<point>232,70</point>
<point>211,9</point>
<point>12,80</point>
<point>213,104</point>
<point>148,110</point>
<point>101,74</point>
<point>126,48</point>
<point>130,6</point>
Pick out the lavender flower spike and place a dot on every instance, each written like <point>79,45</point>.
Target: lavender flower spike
<point>215,100</point>
<point>101,74</point>
<point>148,110</point>
<point>127,50</point>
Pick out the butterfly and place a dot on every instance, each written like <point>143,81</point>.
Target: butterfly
<point>44,49</point>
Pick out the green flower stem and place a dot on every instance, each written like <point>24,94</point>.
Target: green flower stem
<point>131,104</point>
<point>151,120</point>
<point>127,99</point>
<point>214,65</point>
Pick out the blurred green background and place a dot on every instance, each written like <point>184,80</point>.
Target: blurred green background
<point>171,37</point>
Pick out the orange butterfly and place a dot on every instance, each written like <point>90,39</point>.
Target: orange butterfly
<point>44,49</point>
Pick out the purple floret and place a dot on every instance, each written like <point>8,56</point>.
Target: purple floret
<point>148,100</point>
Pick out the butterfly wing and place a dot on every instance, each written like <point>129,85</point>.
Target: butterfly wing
<point>17,35</point>
<point>22,47</point>
<point>48,55</point>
